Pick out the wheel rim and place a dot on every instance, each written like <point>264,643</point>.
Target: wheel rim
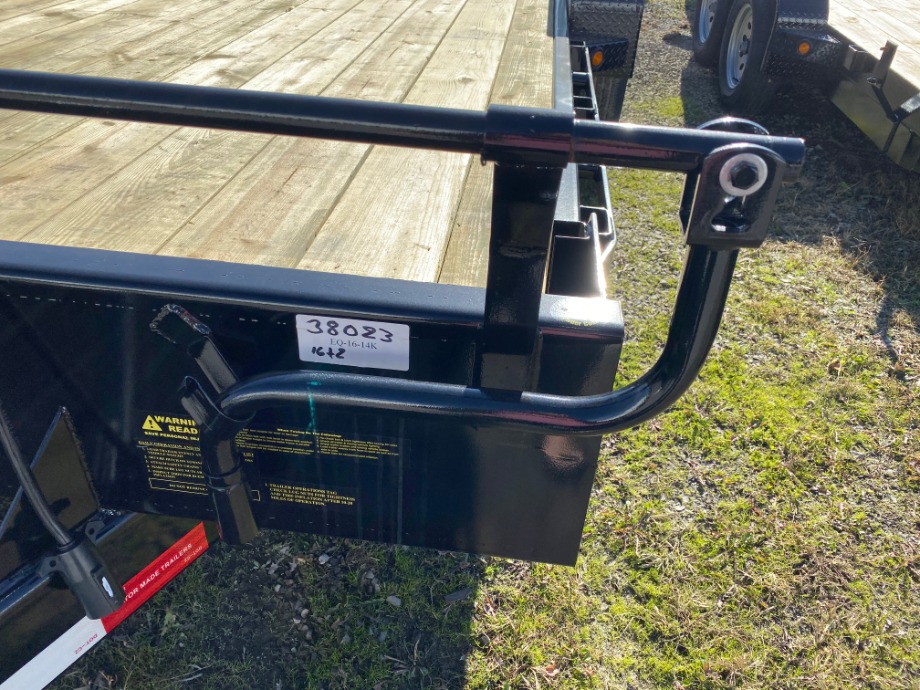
<point>706,20</point>
<point>739,47</point>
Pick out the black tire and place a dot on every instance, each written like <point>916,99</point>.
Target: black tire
<point>743,87</point>
<point>610,93</point>
<point>706,27</point>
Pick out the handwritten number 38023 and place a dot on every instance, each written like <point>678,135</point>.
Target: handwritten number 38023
<point>332,327</point>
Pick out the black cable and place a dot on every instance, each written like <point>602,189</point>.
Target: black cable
<point>30,486</point>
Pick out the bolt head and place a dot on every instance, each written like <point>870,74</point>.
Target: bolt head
<point>744,175</point>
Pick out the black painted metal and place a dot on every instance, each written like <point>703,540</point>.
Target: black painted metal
<point>576,257</point>
<point>664,148</point>
<point>584,231</point>
<point>30,488</point>
<point>802,13</point>
<point>523,209</point>
<point>720,220</point>
<point>182,329</point>
<point>562,67</point>
<point>34,611</point>
<point>691,182</point>
<point>250,111</point>
<point>611,26</point>
<point>222,466</point>
<point>62,483</point>
<point>75,556</point>
<point>501,351</point>
<point>440,483</point>
<point>577,266</point>
<point>504,134</point>
<point>701,297</point>
<point>697,314</point>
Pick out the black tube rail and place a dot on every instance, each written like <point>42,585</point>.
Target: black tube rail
<point>697,314</point>
<point>536,135</point>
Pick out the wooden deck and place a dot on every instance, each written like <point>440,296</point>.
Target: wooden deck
<point>276,201</point>
<point>870,23</point>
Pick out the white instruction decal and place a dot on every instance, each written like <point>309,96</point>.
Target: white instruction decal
<point>368,344</point>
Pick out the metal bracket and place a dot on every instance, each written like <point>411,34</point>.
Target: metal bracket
<point>76,557</point>
<point>221,464</point>
<point>877,81</point>
<point>523,208</point>
<point>178,326</point>
<point>87,576</point>
<point>728,203</point>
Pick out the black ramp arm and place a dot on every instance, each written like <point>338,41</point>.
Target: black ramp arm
<point>697,314</point>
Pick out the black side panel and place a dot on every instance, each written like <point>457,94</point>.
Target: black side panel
<point>441,484</point>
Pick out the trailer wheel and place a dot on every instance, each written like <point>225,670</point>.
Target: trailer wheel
<point>706,28</point>
<point>610,93</point>
<point>743,86</point>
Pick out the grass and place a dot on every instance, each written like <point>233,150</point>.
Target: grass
<point>765,532</point>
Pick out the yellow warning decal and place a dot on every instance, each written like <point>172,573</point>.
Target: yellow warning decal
<point>170,425</point>
<point>150,424</point>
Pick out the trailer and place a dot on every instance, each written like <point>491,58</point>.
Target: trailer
<point>864,55</point>
<point>333,267</point>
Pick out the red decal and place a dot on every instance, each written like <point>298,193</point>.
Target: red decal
<point>155,576</point>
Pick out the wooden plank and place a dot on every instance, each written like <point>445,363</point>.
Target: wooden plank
<point>50,49</point>
<point>127,211</point>
<point>59,50</point>
<point>21,131</point>
<point>466,258</point>
<point>870,24</point>
<point>262,199</point>
<point>140,207</point>
<point>393,219</point>
<point>525,77</point>
<point>52,161</point>
<point>253,58</point>
<point>146,42</point>
<point>269,213</point>
<point>886,20</point>
<point>14,8</point>
<point>30,24</point>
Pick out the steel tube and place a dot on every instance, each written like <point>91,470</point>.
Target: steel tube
<point>501,133</point>
<point>697,314</point>
<point>668,148</point>
<point>251,111</point>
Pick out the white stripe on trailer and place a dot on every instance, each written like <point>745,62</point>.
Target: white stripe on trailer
<point>57,657</point>
<point>48,664</point>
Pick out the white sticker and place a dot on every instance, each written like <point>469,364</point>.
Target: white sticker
<point>368,344</point>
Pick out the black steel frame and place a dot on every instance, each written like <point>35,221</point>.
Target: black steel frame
<point>530,148</point>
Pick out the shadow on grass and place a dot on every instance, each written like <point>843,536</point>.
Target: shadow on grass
<point>296,611</point>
